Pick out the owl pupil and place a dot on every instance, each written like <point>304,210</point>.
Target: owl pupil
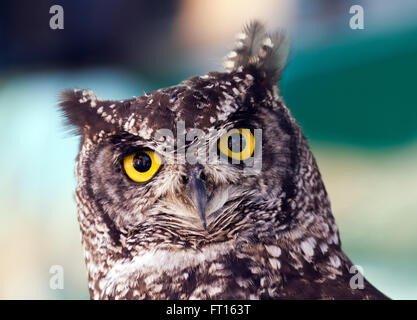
<point>236,142</point>
<point>142,162</point>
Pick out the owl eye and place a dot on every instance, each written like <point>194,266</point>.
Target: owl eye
<point>237,144</point>
<point>142,165</point>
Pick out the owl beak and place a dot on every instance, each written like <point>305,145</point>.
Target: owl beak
<point>196,190</point>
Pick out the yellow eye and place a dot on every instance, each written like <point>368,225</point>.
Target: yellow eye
<point>142,165</point>
<point>237,144</point>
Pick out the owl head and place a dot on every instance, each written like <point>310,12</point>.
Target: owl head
<point>215,159</point>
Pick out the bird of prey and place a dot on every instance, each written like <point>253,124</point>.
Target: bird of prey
<point>160,219</point>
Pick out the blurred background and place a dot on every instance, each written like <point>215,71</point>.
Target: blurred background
<point>352,91</point>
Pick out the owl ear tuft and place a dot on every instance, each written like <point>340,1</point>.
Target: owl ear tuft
<point>268,52</point>
<point>80,110</point>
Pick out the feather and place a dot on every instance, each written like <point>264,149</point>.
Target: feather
<point>85,113</point>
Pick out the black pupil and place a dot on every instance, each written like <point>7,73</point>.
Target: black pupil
<point>236,142</point>
<point>142,162</point>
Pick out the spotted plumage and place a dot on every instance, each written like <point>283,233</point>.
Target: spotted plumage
<point>266,235</point>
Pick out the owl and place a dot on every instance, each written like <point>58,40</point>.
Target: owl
<point>160,219</point>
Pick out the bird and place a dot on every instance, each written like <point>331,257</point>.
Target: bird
<point>159,220</point>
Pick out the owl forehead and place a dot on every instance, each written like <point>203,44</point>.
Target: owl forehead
<point>200,102</point>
